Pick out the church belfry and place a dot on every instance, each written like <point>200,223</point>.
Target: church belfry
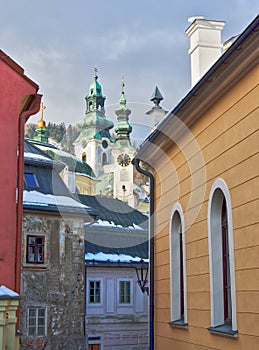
<point>94,142</point>
<point>123,152</point>
<point>123,128</point>
<point>95,99</point>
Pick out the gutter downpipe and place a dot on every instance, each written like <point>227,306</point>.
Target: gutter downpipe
<point>135,162</point>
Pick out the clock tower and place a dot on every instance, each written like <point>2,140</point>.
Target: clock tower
<point>123,153</point>
<point>94,143</point>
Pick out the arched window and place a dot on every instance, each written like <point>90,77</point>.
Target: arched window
<point>90,106</point>
<point>178,268</point>
<point>221,254</point>
<point>84,157</point>
<point>104,159</point>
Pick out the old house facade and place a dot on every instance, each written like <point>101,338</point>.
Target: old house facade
<point>116,243</point>
<point>52,276</point>
<point>203,158</point>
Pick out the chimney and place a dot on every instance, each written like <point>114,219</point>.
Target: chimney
<point>205,45</point>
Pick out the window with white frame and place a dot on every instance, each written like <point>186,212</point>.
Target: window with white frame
<point>125,291</point>
<point>37,321</point>
<point>221,253</point>
<point>178,267</point>
<point>94,291</point>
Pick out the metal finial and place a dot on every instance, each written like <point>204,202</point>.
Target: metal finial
<point>95,73</point>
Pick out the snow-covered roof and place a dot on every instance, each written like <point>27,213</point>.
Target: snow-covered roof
<point>40,199</point>
<point>30,155</point>
<point>102,257</point>
<point>6,292</point>
<point>111,224</point>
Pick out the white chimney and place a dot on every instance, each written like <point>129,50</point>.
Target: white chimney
<point>205,45</point>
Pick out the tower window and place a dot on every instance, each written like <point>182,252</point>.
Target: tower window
<point>84,158</point>
<point>104,159</point>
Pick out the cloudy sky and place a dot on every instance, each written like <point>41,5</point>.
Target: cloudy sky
<point>59,43</point>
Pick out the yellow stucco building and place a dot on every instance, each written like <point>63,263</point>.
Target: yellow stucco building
<point>204,160</point>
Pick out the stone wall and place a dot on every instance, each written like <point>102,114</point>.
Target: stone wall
<point>58,285</point>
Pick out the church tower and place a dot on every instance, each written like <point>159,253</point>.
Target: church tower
<point>94,143</point>
<point>123,152</point>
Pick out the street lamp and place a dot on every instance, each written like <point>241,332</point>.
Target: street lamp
<point>142,273</point>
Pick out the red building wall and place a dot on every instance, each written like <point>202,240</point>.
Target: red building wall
<point>14,85</point>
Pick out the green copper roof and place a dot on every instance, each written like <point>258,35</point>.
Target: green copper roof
<point>95,88</point>
<point>94,124</point>
<point>41,135</point>
<point>73,163</point>
<point>123,127</point>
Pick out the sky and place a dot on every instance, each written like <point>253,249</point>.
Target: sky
<point>59,43</point>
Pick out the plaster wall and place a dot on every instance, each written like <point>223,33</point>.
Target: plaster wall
<point>227,138</point>
<point>123,327</point>
<point>14,85</point>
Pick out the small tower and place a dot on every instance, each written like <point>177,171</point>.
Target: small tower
<point>123,152</point>
<point>157,112</point>
<point>95,142</point>
<point>41,127</point>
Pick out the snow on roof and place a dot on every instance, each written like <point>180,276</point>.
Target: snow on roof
<point>88,176</point>
<point>60,153</point>
<point>113,257</point>
<point>105,223</point>
<point>40,199</point>
<point>36,156</point>
<point>4,291</point>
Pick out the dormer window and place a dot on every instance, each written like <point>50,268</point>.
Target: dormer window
<point>30,180</point>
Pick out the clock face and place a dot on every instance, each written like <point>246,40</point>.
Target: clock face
<point>123,159</point>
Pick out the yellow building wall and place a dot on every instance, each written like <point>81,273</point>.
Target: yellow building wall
<point>85,185</point>
<point>228,138</point>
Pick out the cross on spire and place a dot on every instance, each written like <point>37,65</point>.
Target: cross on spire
<point>42,107</point>
<point>95,73</point>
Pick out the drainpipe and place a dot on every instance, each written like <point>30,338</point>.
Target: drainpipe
<point>30,105</point>
<point>135,162</point>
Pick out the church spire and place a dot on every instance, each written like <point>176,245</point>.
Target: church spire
<point>123,99</point>
<point>41,127</point>
<point>123,128</point>
<point>95,125</point>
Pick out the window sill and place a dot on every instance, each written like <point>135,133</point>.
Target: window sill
<point>35,266</point>
<point>224,331</point>
<point>178,324</point>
